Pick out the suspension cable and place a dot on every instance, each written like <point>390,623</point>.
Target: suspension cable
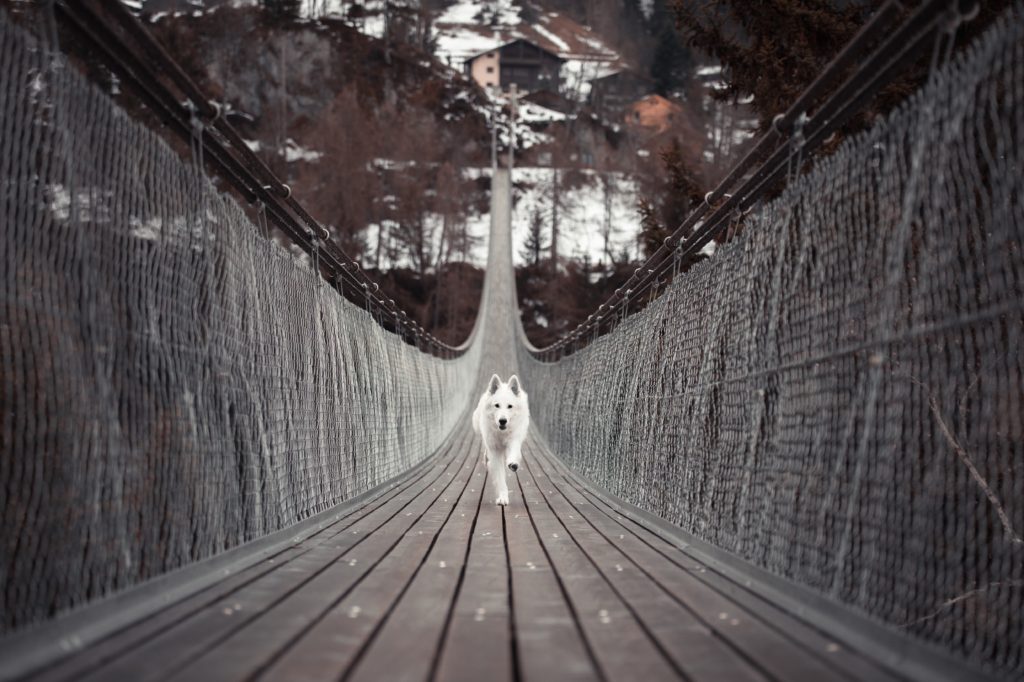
<point>901,46</point>
<point>126,46</point>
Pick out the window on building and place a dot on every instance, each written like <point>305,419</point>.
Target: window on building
<point>490,69</point>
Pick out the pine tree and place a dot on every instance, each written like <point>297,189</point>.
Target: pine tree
<point>668,65</point>
<point>679,194</point>
<point>774,49</point>
<point>771,49</point>
<point>534,244</point>
<point>283,9</point>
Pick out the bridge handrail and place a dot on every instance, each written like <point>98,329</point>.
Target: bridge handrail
<point>792,136</point>
<point>109,28</point>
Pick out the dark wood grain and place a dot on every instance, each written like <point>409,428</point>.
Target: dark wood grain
<point>416,624</point>
<point>478,643</point>
<point>548,639</point>
<point>330,645</point>
<point>776,642</point>
<point>619,642</point>
<point>204,631</point>
<point>693,647</point>
<point>116,645</point>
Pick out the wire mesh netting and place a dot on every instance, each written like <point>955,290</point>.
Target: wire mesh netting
<point>172,383</point>
<point>838,394</point>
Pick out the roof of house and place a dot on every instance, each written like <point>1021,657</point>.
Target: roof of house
<point>513,42</point>
<point>550,100</point>
<point>623,73</point>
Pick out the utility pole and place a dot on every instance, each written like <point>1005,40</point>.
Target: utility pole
<point>512,128</point>
<point>494,138</point>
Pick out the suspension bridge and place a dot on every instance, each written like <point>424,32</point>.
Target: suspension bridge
<point>802,459</point>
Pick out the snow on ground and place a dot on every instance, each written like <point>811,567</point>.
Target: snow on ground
<point>478,227</point>
<point>504,12</point>
<point>577,74</point>
<point>585,213</point>
<point>563,47</point>
<point>293,152</point>
<point>709,70</point>
<point>530,112</point>
<point>467,28</point>
<point>455,46</point>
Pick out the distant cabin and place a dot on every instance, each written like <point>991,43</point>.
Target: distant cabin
<point>653,113</point>
<point>614,92</point>
<point>529,66</point>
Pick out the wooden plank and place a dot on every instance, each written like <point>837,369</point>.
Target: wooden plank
<point>416,624</point>
<point>119,643</point>
<point>816,642</point>
<point>556,586</point>
<point>549,644</point>
<point>181,644</point>
<point>333,643</point>
<point>764,636</point>
<point>478,644</point>
<point>697,653</point>
<point>92,659</point>
<point>620,643</point>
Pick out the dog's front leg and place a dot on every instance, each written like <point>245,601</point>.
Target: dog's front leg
<point>496,470</point>
<point>515,456</point>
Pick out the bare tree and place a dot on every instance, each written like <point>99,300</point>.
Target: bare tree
<point>534,244</point>
<point>607,228</point>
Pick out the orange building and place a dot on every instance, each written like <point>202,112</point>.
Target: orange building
<point>653,113</point>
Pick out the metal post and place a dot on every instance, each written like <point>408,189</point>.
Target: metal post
<point>512,128</point>
<point>494,138</point>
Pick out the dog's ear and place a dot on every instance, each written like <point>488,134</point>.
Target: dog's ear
<point>495,384</point>
<point>513,384</point>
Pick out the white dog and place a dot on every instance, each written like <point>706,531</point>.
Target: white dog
<point>502,418</point>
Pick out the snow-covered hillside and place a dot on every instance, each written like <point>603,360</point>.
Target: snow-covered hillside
<point>596,213</point>
<point>469,27</point>
<point>597,218</point>
<point>596,207</point>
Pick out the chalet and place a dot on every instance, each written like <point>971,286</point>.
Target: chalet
<point>611,94</point>
<point>653,114</point>
<point>529,66</point>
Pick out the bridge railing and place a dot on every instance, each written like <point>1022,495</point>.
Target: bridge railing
<point>836,395</point>
<point>173,382</point>
<point>113,35</point>
<point>865,65</point>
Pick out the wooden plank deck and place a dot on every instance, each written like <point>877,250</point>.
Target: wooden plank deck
<point>431,581</point>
